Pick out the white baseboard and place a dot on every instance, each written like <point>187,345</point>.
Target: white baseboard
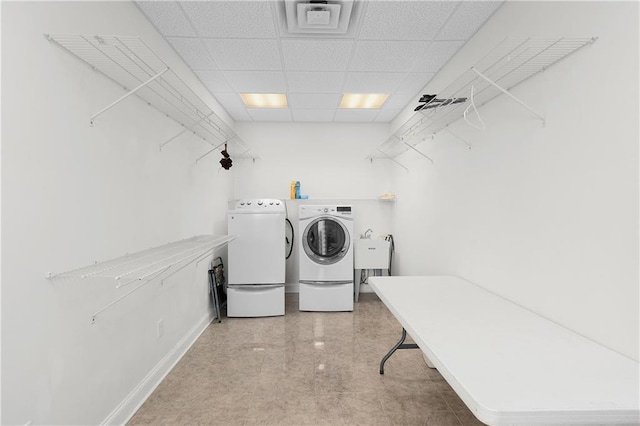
<point>128,407</point>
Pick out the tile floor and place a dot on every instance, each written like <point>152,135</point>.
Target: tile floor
<point>305,368</point>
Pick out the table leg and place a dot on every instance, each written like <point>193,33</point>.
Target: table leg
<point>399,345</point>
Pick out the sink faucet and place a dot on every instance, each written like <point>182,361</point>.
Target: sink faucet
<point>367,234</point>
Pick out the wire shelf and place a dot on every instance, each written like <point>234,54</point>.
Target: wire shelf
<point>144,264</point>
<point>510,63</point>
<point>131,63</point>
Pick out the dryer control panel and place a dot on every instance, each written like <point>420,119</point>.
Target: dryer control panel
<point>253,205</point>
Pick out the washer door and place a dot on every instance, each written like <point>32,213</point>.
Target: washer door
<point>325,240</point>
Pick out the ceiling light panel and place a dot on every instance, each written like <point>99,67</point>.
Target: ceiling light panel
<point>167,18</point>
<point>256,81</point>
<point>232,19</point>
<point>363,100</point>
<point>193,53</point>
<point>245,54</point>
<point>316,55</point>
<point>408,20</point>
<point>264,100</point>
<point>467,19</point>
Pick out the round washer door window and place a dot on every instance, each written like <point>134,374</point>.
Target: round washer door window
<point>325,240</point>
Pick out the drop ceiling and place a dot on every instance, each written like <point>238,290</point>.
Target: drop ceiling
<point>264,46</point>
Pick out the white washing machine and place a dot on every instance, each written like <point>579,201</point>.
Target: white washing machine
<point>256,258</point>
<point>325,244</point>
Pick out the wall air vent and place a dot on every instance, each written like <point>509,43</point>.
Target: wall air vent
<point>318,16</point>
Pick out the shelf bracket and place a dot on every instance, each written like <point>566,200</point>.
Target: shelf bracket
<point>458,137</point>
<point>186,129</point>
<point>107,108</point>
<point>506,92</point>
<point>392,159</point>
<point>417,150</point>
<point>196,260</point>
<point>149,278</point>
<point>209,152</point>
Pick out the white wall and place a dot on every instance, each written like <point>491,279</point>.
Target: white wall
<point>74,194</point>
<point>329,159</point>
<point>545,216</point>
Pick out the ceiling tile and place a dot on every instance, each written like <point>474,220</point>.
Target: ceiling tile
<point>312,115</point>
<point>387,56</point>
<point>437,55</point>
<point>407,20</point>
<point>356,115</point>
<point>266,114</point>
<point>316,55</point>
<point>387,115</point>
<point>233,19</point>
<point>371,82</point>
<point>256,81</point>
<point>232,103</point>
<point>409,90</point>
<point>395,47</point>
<point>193,53</point>
<point>229,100</point>
<point>467,19</point>
<point>314,100</point>
<point>245,54</point>
<point>315,82</point>
<point>239,114</point>
<point>214,81</point>
<point>167,17</point>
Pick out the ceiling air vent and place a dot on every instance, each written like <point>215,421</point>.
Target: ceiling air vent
<point>318,17</point>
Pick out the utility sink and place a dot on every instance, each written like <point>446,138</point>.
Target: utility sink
<point>371,253</point>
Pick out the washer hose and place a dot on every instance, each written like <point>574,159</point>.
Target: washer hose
<point>292,238</point>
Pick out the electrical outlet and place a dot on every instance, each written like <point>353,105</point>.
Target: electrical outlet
<point>160,328</point>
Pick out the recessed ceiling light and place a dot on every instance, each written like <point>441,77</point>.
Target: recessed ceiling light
<point>363,100</point>
<point>264,100</point>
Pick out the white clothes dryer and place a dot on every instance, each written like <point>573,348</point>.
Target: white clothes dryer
<point>256,258</point>
<point>325,247</point>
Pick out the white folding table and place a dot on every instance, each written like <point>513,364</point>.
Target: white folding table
<point>509,365</point>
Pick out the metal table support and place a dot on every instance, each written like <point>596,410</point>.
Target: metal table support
<point>399,345</point>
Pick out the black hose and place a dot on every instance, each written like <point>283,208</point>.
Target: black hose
<point>292,238</point>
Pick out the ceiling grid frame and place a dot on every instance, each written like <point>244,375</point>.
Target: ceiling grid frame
<point>412,79</point>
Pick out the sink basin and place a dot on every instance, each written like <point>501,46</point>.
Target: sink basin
<point>371,254</point>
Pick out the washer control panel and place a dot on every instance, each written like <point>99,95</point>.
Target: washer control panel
<point>307,210</point>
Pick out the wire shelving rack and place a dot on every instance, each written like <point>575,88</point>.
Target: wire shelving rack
<point>145,266</point>
<point>510,63</point>
<point>131,63</point>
